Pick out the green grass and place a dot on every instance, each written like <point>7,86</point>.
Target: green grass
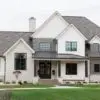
<point>86,85</point>
<point>58,94</point>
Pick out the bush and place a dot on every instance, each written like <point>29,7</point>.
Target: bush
<point>78,83</point>
<point>7,82</point>
<point>25,82</point>
<point>20,83</point>
<point>13,82</point>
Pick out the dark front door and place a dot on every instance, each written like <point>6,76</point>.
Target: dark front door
<point>45,69</point>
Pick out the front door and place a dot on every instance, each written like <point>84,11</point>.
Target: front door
<point>45,69</point>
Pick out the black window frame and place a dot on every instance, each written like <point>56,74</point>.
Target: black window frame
<point>69,46</point>
<point>69,69</point>
<point>20,63</point>
<point>96,68</point>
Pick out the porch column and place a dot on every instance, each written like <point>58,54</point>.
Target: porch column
<point>87,70</point>
<point>36,67</point>
<point>59,68</point>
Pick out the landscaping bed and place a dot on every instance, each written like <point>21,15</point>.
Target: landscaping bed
<point>24,86</point>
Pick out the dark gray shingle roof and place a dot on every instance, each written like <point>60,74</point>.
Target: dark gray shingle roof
<point>84,25</point>
<point>8,38</point>
<point>54,55</point>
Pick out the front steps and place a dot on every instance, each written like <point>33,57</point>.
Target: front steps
<point>48,81</point>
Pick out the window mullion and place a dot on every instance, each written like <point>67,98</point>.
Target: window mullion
<point>71,45</point>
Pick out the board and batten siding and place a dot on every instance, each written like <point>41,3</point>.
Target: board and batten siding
<point>72,35</point>
<point>26,75</point>
<point>93,75</point>
<point>51,29</point>
<point>80,71</point>
<point>2,68</point>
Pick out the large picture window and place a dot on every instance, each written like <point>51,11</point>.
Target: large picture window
<point>96,67</point>
<point>71,69</point>
<point>71,46</point>
<point>44,46</point>
<point>20,61</point>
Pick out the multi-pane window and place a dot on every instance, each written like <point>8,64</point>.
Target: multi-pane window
<point>71,69</point>
<point>71,46</point>
<point>44,46</point>
<point>20,61</point>
<point>96,67</point>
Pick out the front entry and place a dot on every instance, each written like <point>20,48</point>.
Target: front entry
<point>45,69</point>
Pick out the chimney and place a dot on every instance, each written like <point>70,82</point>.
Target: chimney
<point>32,24</point>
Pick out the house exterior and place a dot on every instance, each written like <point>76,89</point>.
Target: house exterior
<point>63,48</point>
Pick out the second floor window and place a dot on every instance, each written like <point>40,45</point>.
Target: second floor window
<point>71,46</point>
<point>44,46</point>
<point>20,61</point>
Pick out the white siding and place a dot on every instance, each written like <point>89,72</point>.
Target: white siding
<point>26,75</point>
<point>95,78</point>
<point>95,39</point>
<point>80,72</point>
<point>72,35</point>
<point>2,66</point>
<point>54,27</point>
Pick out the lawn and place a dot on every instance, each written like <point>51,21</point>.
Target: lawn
<point>57,94</point>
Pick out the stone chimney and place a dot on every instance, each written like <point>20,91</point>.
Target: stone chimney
<point>32,24</point>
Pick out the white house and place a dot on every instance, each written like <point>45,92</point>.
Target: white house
<point>63,48</point>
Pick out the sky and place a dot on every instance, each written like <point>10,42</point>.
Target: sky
<point>15,14</point>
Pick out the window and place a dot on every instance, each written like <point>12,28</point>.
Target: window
<point>96,67</point>
<point>71,69</point>
<point>71,46</point>
<point>44,46</point>
<point>20,61</point>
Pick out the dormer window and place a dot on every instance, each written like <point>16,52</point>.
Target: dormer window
<point>44,46</point>
<point>71,46</point>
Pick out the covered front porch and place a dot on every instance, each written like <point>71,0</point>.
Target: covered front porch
<point>62,67</point>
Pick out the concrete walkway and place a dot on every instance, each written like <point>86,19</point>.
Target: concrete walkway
<point>56,87</point>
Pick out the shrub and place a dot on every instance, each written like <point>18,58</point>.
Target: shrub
<point>7,82</point>
<point>20,83</point>
<point>13,82</point>
<point>78,83</point>
<point>25,82</point>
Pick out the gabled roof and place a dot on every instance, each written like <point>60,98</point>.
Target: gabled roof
<point>16,43</point>
<point>84,25</point>
<point>67,28</point>
<point>8,38</point>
